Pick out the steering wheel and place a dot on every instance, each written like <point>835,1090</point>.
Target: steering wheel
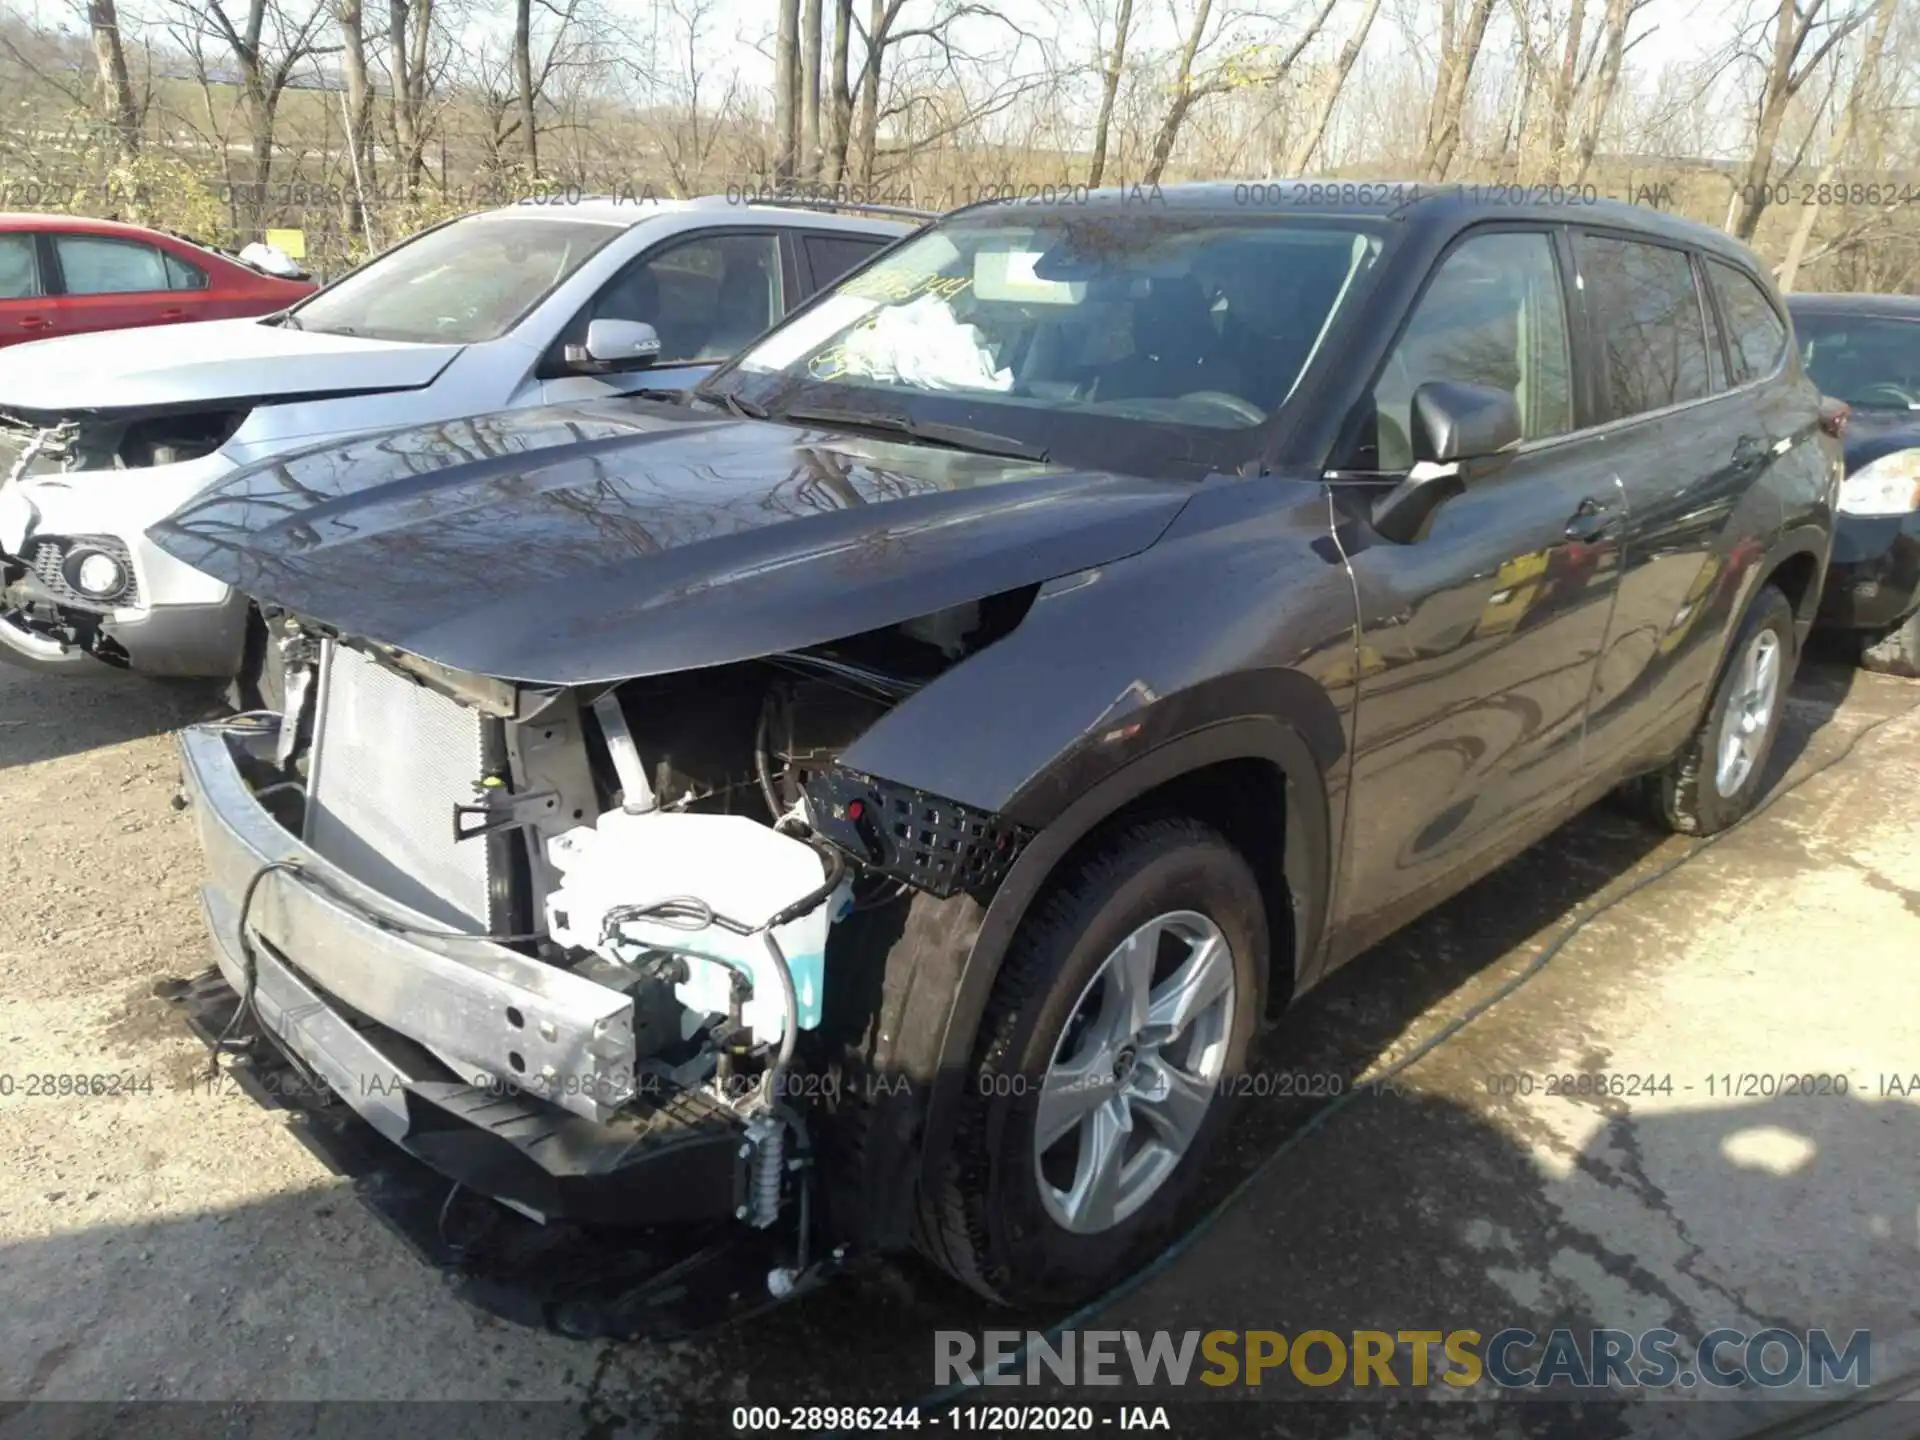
<point>1245,409</point>
<point>1886,388</point>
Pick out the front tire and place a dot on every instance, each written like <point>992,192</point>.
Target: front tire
<point>1124,1005</point>
<point>1716,780</point>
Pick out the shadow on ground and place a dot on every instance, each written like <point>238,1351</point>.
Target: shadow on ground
<point>48,717</point>
<point>1366,1229</point>
<point>1370,1241</point>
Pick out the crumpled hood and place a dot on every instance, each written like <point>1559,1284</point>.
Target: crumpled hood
<point>213,360</point>
<point>593,542</point>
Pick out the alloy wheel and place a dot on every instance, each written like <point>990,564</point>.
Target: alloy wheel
<point>1749,712</point>
<point>1133,1075</point>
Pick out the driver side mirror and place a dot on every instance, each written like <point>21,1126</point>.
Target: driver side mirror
<point>1453,424</point>
<point>615,345</point>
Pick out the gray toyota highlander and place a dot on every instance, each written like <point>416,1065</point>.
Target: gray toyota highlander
<point>875,802</point>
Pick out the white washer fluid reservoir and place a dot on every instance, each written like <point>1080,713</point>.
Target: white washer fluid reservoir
<point>737,866</point>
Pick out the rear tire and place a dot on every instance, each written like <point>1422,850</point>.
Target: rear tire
<point>1717,778</point>
<point>1118,975</point>
<point>1897,652</point>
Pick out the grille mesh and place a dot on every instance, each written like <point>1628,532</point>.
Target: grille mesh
<point>390,761</point>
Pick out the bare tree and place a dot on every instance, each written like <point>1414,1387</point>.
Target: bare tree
<point>1238,72</point>
<point>1461,36</point>
<point>1572,169</point>
<point>523,82</point>
<point>359,105</point>
<point>885,37</point>
<point>1116,60</point>
<point>1860,97</point>
<point>1566,79</point>
<point>809,163</point>
<point>694,126</point>
<point>1185,92</point>
<point>558,38</point>
<point>267,43</point>
<point>409,36</point>
<point>786,91</point>
<point>1511,151</point>
<point>881,15</point>
<point>1329,97</point>
<point>837,97</point>
<point>116,86</point>
<point>1793,28</point>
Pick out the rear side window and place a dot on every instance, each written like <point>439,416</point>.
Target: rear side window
<point>1647,313</point>
<point>831,256</point>
<point>182,276</point>
<point>93,265</point>
<point>1756,335</point>
<point>19,267</point>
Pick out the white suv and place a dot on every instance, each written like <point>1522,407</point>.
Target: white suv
<point>102,435</point>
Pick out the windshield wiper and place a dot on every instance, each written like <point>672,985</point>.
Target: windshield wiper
<point>745,409</point>
<point>931,432</point>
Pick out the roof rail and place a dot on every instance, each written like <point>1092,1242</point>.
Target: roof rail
<point>860,207</point>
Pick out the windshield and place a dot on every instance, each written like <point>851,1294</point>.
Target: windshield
<point>1101,325</point>
<point>1870,361</point>
<point>464,283</point>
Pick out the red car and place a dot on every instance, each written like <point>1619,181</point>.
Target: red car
<point>62,275</point>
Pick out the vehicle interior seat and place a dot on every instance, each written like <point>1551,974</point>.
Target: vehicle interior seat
<point>1176,349</point>
<point>745,303</point>
<point>635,296</point>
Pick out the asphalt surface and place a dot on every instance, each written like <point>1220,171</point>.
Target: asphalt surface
<point>171,1241</point>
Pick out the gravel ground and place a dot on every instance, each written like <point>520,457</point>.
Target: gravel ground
<point>172,1241</point>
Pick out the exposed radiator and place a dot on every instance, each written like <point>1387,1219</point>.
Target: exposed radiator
<point>390,761</point>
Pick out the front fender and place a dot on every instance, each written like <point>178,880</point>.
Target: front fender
<point>1306,868</point>
<point>1232,639</point>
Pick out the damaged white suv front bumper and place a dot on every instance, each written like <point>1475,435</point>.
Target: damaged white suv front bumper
<point>88,591</point>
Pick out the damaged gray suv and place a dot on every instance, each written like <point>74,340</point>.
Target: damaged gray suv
<point>875,802</point>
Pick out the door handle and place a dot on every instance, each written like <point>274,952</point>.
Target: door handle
<point>1750,451</point>
<point>1593,520</point>
<point>35,322</point>
<point>173,314</point>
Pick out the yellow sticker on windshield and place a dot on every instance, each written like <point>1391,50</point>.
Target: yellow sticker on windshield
<point>895,286</point>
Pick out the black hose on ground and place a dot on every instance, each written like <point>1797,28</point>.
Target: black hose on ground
<point>941,1399</point>
<point>250,963</point>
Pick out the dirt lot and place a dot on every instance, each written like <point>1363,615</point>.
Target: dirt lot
<point>173,1241</point>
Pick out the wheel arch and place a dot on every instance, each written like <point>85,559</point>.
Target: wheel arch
<point>1797,566</point>
<point>1797,555</point>
<point>1270,759</point>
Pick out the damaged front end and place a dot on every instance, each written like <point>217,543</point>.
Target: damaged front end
<point>77,577</point>
<point>576,948</point>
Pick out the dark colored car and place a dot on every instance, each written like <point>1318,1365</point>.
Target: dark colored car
<point>938,745</point>
<point>1865,350</point>
<point>66,275</point>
